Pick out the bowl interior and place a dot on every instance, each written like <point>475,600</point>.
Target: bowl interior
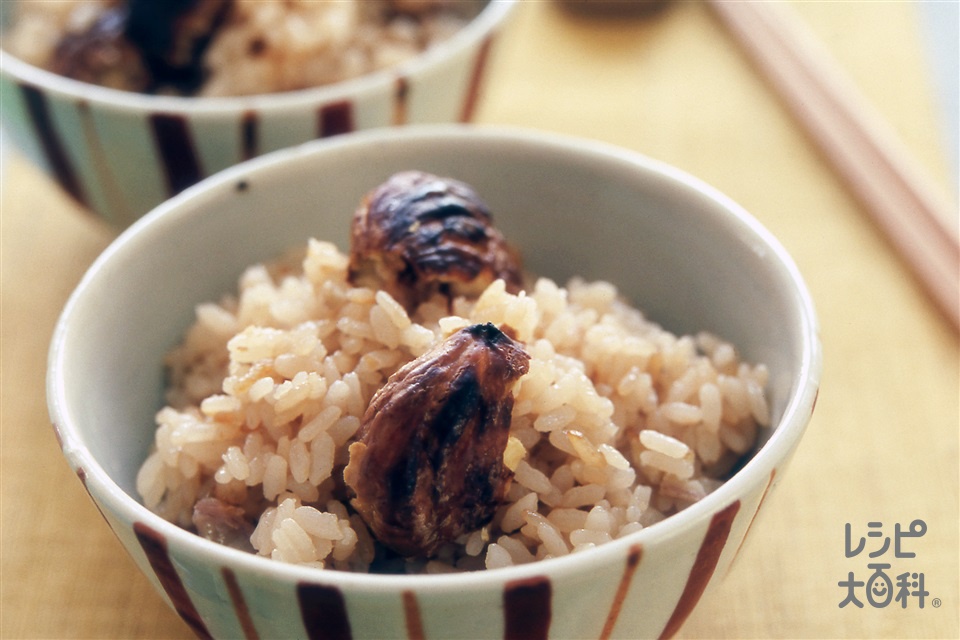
<point>686,255</point>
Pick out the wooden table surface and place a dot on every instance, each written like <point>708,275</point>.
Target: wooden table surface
<point>883,443</point>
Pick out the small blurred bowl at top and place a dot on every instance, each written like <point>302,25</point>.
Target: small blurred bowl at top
<point>120,153</point>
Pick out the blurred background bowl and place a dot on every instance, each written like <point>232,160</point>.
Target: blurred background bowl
<point>120,153</point>
<point>685,254</point>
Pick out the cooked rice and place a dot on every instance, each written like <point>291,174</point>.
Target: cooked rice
<point>617,424</point>
<point>267,47</point>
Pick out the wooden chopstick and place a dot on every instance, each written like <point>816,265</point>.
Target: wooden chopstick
<point>910,210</point>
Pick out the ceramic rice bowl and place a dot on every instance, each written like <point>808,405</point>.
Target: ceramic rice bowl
<point>686,255</point>
<point>119,153</point>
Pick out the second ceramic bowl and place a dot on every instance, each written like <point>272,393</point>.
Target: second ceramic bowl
<point>120,153</point>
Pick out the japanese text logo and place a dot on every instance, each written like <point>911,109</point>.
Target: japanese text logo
<point>890,576</point>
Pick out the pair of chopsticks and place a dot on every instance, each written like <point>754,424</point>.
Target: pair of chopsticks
<point>916,218</point>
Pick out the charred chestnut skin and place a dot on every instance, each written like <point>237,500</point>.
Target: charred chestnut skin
<point>102,54</point>
<point>418,234</point>
<point>428,465</point>
<point>143,45</point>
<point>223,523</point>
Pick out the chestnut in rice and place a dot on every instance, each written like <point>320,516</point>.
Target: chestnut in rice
<point>428,464</point>
<point>418,234</point>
